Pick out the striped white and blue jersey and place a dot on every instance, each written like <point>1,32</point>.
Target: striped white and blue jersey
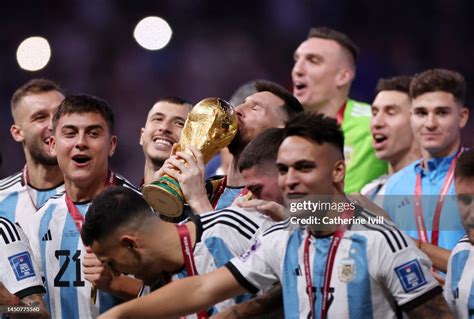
<point>459,286</point>
<point>377,271</point>
<point>220,236</point>
<point>18,271</point>
<point>19,201</point>
<point>58,250</point>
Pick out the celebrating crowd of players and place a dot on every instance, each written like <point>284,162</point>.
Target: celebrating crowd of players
<point>78,240</point>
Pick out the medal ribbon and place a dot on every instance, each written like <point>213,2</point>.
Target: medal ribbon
<point>336,240</point>
<point>340,114</point>
<point>419,220</point>
<point>188,255</point>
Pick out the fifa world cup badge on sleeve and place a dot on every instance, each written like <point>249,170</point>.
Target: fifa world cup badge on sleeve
<point>22,265</point>
<point>411,275</point>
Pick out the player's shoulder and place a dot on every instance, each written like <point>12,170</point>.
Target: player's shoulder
<point>462,244</point>
<point>280,229</point>
<point>396,183</point>
<point>10,232</point>
<point>52,203</point>
<point>358,109</point>
<point>231,219</point>
<point>11,182</point>
<point>379,232</point>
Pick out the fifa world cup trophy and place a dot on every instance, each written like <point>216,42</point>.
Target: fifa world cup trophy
<point>211,125</point>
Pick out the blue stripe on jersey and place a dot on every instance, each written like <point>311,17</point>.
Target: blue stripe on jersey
<point>43,229</point>
<point>319,272</point>
<point>8,207</point>
<point>69,244</point>
<point>458,262</point>
<point>291,271</point>
<point>221,255</point>
<point>359,294</point>
<point>43,196</point>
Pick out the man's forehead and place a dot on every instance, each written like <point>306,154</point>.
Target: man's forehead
<point>390,97</point>
<point>169,109</point>
<point>82,119</point>
<point>318,46</point>
<point>266,98</point>
<point>435,99</point>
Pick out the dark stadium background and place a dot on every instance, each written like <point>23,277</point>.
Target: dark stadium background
<point>216,46</point>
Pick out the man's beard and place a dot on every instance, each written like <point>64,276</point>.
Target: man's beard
<point>39,155</point>
<point>237,144</point>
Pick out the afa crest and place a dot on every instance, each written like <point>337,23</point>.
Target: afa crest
<point>347,270</point>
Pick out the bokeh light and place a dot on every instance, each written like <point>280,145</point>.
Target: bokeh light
<point>152,33</point>
<point>33,53</point>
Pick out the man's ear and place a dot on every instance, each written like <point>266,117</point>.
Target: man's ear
<point>464,116</point>
<point>52,146</point>
<point>17,133</point>
<point>142,130</point>
<point>339,171</point>
<point>344,77</point>
<point>112,145</point>
<point>129,242</point>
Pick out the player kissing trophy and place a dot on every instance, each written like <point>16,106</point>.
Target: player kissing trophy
<point>210,126</point>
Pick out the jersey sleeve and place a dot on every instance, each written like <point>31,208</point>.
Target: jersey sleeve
<point>259,268</point>
<point>32,232</point>
<point>406,272</point>
<point>447,292</point>
<point>18,271</point>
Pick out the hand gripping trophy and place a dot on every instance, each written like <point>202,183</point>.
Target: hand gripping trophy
<point>211,125</point>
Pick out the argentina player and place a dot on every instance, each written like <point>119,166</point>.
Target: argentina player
<point>83,141</point>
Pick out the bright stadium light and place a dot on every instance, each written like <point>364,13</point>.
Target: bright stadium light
<point>152,33</point>
<point>33,53</point>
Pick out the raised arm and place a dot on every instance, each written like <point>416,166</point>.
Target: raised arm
<point>438,255</point>
<point>181,297</point>
<point>269,304</point>
<point>102,278</point>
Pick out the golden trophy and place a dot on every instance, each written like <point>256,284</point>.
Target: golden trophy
<point>210,126</point>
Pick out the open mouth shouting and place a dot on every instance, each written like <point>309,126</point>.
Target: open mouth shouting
<point>380,141</point>
<point>299,87</point>
<point>81,160</point>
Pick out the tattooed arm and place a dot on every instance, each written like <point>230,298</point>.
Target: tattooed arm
<point>433,308</point>
<point>268,305</point>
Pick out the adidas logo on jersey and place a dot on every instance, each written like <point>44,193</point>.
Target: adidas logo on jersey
<point>47,236</point>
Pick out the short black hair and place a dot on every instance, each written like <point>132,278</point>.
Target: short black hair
<point>439,80</point>
<point>397,83</point>
<point>262,150</point>
<point>175,100</point>
<point>291,105</point>
<point>337,36</point>
<point>465,165</point>
<point>316,127</point>
<point>79,104</point>
<point>34,86</point>
<point>115,207</point>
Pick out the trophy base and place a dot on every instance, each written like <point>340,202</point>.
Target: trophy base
<point>164,199</point>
